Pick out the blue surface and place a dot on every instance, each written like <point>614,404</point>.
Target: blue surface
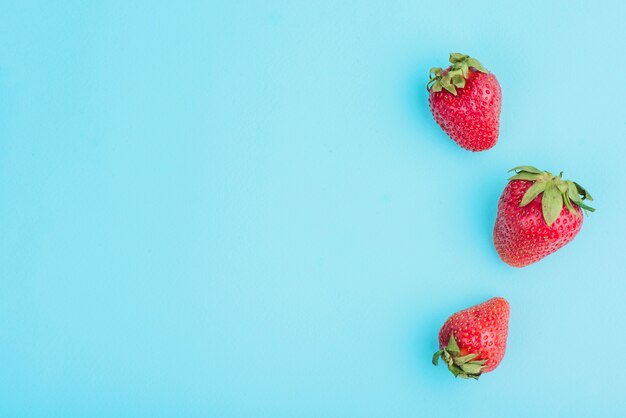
<point>246,209</point>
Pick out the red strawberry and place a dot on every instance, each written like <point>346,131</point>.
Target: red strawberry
<point>465,100</point>
<point>473,341</point>
<point>538,213</point>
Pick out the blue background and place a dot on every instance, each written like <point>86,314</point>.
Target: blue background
<point>245,209</point>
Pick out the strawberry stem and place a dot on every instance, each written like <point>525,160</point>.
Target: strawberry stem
<point>454,76</point>
<point>555,192</point>
<point>460,366</point>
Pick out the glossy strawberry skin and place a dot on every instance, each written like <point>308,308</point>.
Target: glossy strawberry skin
<point>521,235</point>
<point>481,329</point>
<point>472,118</point>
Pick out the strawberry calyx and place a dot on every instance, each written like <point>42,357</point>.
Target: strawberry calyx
<point>454,77</point>
<point>556,192</point>
<point>460,366</point>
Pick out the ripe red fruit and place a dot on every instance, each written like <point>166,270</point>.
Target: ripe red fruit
<point>465,100</point>
<point>538,213</point>
<point>473,341</point>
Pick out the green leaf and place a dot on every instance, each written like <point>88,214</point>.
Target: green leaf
<point>436,87</point>
<point>459,361</point>
<point>473,62</point>
<point>436,358</point>
<point>572,191</point>
<point>525,176</point>
<point>452,347</point>
<point>445,83</point>
<point>585,207</point>
<point>450,88</point>
<point>464,69</point>
<point>582,191</point>
<point>551,203</point>
<point>573,195</point>
<point>532,192</point>
<point>568,204</point>
<point>470,368</point>
<point>458,81</point>
<point>527,168</point>
<point>481,362</point>
<point>436,71</point>
<point>455,370</point>
<point>457,57</point>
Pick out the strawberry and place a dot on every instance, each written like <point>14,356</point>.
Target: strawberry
<point>473,341</point>
<point>538,213</point>
<point>465,100</point>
